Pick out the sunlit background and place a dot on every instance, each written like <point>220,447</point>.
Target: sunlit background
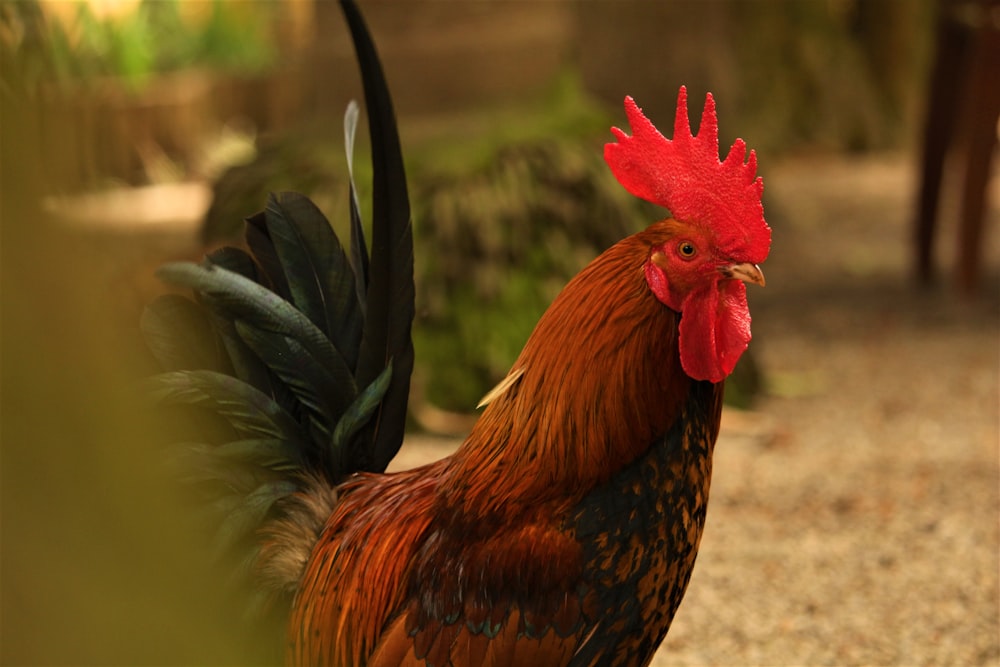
<point>855,511</point>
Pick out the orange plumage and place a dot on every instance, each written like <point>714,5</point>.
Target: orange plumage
<point>565,528</point>
<point>425,564</point>
<point>505,525</point>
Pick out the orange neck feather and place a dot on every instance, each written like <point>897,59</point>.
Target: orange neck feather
<point>601,379</point>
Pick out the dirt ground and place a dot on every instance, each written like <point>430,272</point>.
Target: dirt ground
<point>855,511</point>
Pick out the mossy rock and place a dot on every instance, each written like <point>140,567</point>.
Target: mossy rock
<point>495,246</point>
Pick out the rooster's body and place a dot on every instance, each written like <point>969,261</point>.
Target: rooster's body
<point>566,524</point>
<point>565,528</point>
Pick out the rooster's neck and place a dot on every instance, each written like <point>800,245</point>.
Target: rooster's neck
<point>600,380</point>
<point>639,535</point>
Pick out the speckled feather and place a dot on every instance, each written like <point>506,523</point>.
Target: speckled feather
<point>641,534</point>
<point>635,538</point>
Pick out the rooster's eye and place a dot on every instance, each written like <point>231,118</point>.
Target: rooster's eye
<point>687,249</point>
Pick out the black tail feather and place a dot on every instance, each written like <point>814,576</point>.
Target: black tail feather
<point>390,295</point>
<point>320,277</point>
<point>297,353</point>
<point>259,241</point>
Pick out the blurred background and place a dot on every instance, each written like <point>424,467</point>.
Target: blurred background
<point>856,511</point>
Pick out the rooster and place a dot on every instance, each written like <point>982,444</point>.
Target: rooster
<point>564,529</point>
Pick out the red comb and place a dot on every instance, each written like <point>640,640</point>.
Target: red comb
<point>686,176</point>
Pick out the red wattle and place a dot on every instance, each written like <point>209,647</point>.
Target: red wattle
<point>714,330</point>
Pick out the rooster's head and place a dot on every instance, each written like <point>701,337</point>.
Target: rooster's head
<point>700,258</point>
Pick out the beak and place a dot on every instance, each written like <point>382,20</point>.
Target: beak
<point>748,273</point>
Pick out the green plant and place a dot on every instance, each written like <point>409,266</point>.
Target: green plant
<point>152,39</point>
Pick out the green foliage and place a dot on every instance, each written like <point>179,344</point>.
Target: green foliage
<point>463,351</point>
<point>153,39</point>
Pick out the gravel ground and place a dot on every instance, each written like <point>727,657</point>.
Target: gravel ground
<point>854,514</point>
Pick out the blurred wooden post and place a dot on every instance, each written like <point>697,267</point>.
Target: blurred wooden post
<point>963,93</point>
<point>982,115</point>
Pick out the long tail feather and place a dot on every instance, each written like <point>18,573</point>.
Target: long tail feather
<point>390,298</point>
